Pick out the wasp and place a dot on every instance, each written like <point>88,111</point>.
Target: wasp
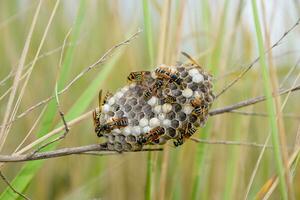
<point>193,61</point>
<point>169,99</point>
<point>196,102</point>
<point>148,93</point>
<point>166,73</point>
<point>152,136</point>
<point>188,131</point>
<point>197,111</point>
<point>106,97</point>
<point>115,123</point>
<point>138,76</point>
<point>179,141</point>
<point>97,112</point>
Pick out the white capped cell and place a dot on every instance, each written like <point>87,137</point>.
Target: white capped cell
<point>132,85</point>
<point>166,108</point>
<point>119,94</point>
<point>161,116</point>
<point>167,123</point>
<point>198,78</point>
<point>127,130</point>
<point>118,131</point>
<point>187,93</point>
<point>157,109</point>
<point>143,122</point>
<point>111,101</point>
<point>124,89</point>
<point>105,108</point>
<point>193,72</point>
<point>187,109</point>
<point>154,122</point>
<point>136,130</point>
<point>197,94</point>
<point>146,129</point>
<point>152,101</point>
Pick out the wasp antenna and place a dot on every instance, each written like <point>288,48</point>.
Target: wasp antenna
<point>190,58</point>
<point>100,98</point>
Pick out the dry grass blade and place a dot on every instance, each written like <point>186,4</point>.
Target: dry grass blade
<point>266,142</point>
<point>267,189</point>
<point>31,129</point>
<point>54,132</point>
<point>57,100</point>
<point>24,85</point>
<point>3,132</point>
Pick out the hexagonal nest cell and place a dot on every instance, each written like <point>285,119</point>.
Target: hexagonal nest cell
<point>169,103</point>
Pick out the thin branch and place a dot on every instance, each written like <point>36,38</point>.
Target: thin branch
<point>63,152</point>
<point>249,102</point>
<point>100,61</point>
<point>256,60</point>
<point>287,115</point>
<point>11,187</point>
<point>226,142</point>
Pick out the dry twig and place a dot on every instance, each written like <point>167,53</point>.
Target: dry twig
<point>11,187</point>
<point>249,102</point>
<point>256,60</point>
<point>100,61</point>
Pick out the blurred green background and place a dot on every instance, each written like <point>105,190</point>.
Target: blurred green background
<point>220,35</point>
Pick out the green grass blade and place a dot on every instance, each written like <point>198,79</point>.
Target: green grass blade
<point>270,103</point>
<point>149,38</point>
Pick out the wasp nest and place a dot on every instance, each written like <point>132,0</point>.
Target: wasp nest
<point>169,103</point>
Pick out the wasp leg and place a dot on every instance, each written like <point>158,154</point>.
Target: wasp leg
<point>179,141</point>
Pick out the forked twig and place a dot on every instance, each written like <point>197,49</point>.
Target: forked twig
<point>11,187</point>
<point>57,100</point>
<point>256,60</point>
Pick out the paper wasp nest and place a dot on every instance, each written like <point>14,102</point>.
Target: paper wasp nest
<point>169,103</point>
